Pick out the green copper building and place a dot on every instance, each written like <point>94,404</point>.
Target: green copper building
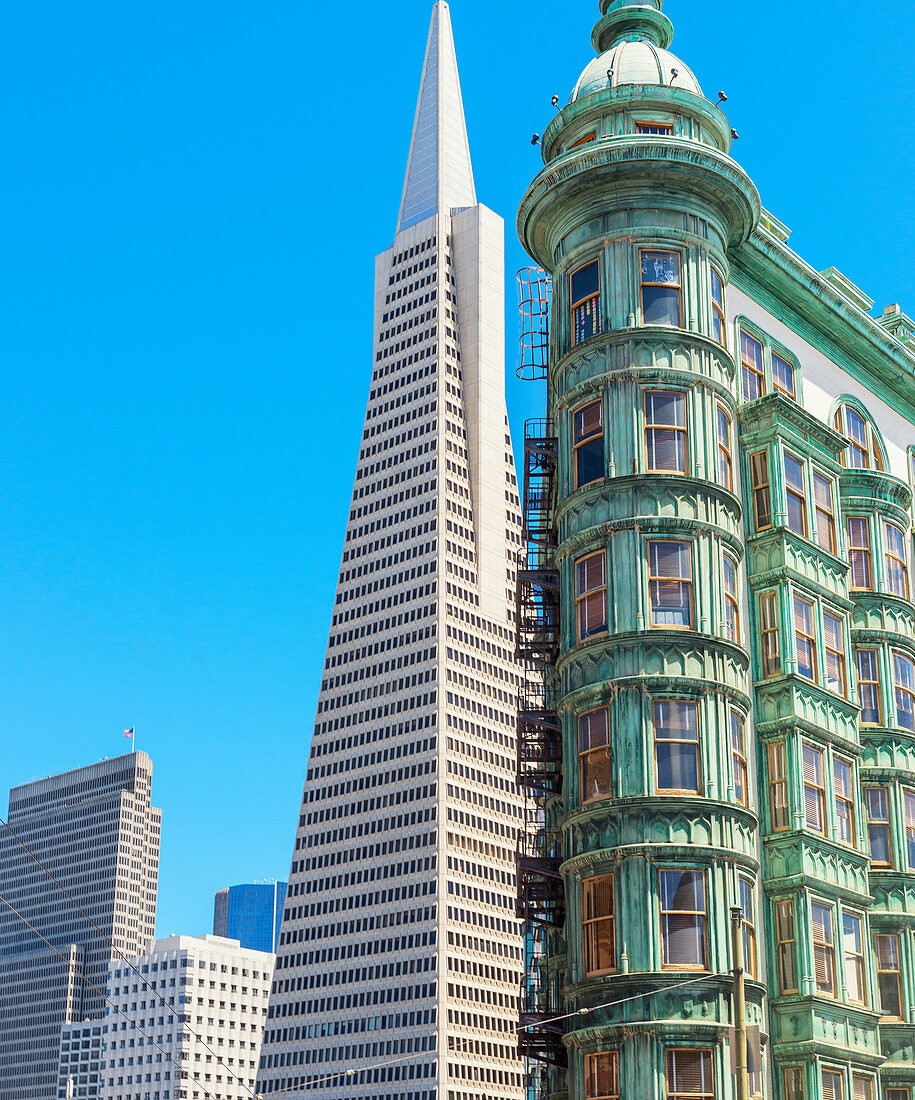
<point>716,611</point>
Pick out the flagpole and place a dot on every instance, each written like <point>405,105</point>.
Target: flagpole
<point>133,738</point>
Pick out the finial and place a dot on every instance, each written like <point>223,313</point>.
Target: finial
<point>633,21</point>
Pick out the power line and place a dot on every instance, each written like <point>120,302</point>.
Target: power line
<point>515,1031</point>
<point>123,958</point>
<point>101,992</point>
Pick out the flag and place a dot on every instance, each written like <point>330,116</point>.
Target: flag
<point>129,733</point>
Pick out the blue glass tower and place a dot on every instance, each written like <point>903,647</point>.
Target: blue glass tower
<point>251,914</point>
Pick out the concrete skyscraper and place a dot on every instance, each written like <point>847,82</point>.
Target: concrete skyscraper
<point>399,961</point>
<point>95,831</point>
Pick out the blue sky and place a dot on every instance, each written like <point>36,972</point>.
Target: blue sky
<point>194,195</point>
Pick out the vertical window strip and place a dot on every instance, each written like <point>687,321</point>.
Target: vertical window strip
<point>795,500</point>
<point>602,1076</point>
<point>676,725</point>
<point>876,801</point>
<point>897,578</point>
<point>768,619</point>
<point>904,681</point>
<point>762,500</point>
<point>719,326</point>
<point>725,457</point>
<point>599,926</point>
<point>748,926</point>
<point>666,441</point>
<point>853,948</point>
<point>670,584</point>
<point>834,645</point>
<point>868,686</point>
<point>859,553</point>
<point>739,758</point>
<point>689,1075</point>
<point>731,608</point>
<point>794,1083</point>
<point>588,445</point>
<point>661,290</point>
<point>833,1086</point>
<point>805,638</point>
<point>824,958</point>
<point>814,790</point>
<point>824,512</point>
<point>909,803</point>
<point>683,920</point>
<point>862,1087</point>
<point>786,940</point>
<point>591,595</point>
<point>782,375</point>
<point>753,372</point>
<point>889,975</point>
<point>595,766</point>
<point>584,287</point>
<point>778,787</point>
<point>844,801</point>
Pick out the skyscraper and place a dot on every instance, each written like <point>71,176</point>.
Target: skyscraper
<point>96,832</point>
<point>724,620</point>
<point>399,960</point>
<point>251,913</point>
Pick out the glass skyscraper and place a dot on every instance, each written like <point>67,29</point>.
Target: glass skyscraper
<point>251,913</point>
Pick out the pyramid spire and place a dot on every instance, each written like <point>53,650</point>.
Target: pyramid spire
<point>439,173</point>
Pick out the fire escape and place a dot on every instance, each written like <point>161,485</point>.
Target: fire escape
<point>541,904</point>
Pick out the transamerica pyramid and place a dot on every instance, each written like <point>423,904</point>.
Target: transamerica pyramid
<point>400,958</point>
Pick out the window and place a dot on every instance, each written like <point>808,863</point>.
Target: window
<point>665,431</point>
<point>602,1076</point>
<point>898,1094</point>
<point>598,926</point>
<point>824,514</point>
<point>676,745</point>
<point>876,801</point>
<point>805,638</point>
<point>897,580</point>
<point>661,288</point>
<point>725,460</point>
<point>814,790</point>
<point>591,595</point>
<point>889,975</point>
<point>834,642</point>
<point>595,776</point>
<point>853,944</point>
<point>659,129</point>
<point>862,1087</point>
<point>585,296</point>
<point>719,327</point>
<point>863,452</point>
<point>683,919</point>
<point>739,757</point>
<point>824,958</point>
<point>589,443</point>
<point>844,801</point>
<point>904,677</point>
<point>689,1075</point>
<point>753,371</point>
<point>748,926</point>
<point>794,495</point>
<point>759,476</point>
<point>794,1083</point>
<point>768,621</point>
<point>778,786</point>
<point>590,136</point>
<point>786,941</point>
<point>782,375</point>
<point>859,553</point>
<point>833,1089</point>
<point>731,611</point>
<point>909,800</point>
<point>670,584</point>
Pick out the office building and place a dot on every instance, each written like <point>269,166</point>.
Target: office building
<point>203,1043</point>
<point>399,960</point>
<point>251,913</point>
<point>96,832</point>
<point>80,1060</point>
<point>721,604</point>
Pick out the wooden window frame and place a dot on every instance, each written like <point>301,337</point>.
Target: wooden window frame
<point>596,299</point>
<point>762,491</point>
<point>666,286</point>
<point>670,1073</point>
<point>593,1091</point>
<point>725,455</point>
<point>863,681</point>
<point>777,763</point>
<point>875,823</point>
<point>670,739</point>
<point>584,756</point>
<point>859,552</point>
<point>824,515</point>
<point>866,1093</point>
<point>834,1093</point>
<point>844,804</point>
<point>746,890</point>
<point>873,460</point>
<point>590,593</point>
<point>578,443</point>
<point>795,1084</point>
<point>895,971</point>
<point>659,580</point>
<point>591,927</point>
<point>826,947</point>
<point>719,318</point>
<point>792,492</point>
<point>902,691</point>
<point>699,914</point>
<point>814,792</point>
<point>585,139</point>
<point>749,367</point>
<point>651,427</point>
<point>837,656</point>
<point>791,369</point>
<point>770,660</point>
<point>852,960</point>
<point>811,638</point>
<point>890,558</point>
<point>786,946</point>
<point>731,603</point>
<point>647,128</point>
<point>908,809</point>
<point>739,758</point>
<point>901,1092</point>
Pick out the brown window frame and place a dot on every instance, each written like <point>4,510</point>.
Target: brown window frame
<point>771,659</point>
<point>864,681</point>
<point>762,490</point>
<point>835,667</point>
<point>580,440</point>
<point>795,1085</point>
<point>809,638</point>
<point>908,805</point>
<point>854,961</point>
<point>890,558</point>
<point>651,427</point>
<point>779,803</point>
<point>814,792</point>
<point>747,897</point>
<point>878,825</point>
<point>597,927</point>
<point>826,949</point>
<point>643,283</point>
<point>585,139</point>
<point>700,915</point>
<point>824,514</point>
<point>669,738</point>
<point>654,129</point>
<point>582,596</point>
<point>655,606</point>
<point>865,1093</point>
<point>750,369</point>
<point>729,585</point>
<point>872,459</point>
<point>833,1092</point>
<point>903,690</point>
<point>670,1073</point>
<point>719,320</point>
<point>595,1075</point>
<point>791,370</point>
<point>585,755</point>
<point>786,945</point>
<point>739,758</point>
<point>844,804</point>
<point>725,456</point>
<point>594,299</point>
<point>792,492</point>
<point>860,555</point>
<point>896,971</point>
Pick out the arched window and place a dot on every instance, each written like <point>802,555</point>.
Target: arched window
<point>864,451</point>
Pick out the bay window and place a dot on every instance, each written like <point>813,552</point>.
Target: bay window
<point>670,583</point>
<point>683,920</point>
<point>661,287</point>
<point>602,1076</point>
<point>676,728</point>
<point>591,595</point>
<point>666,448</point>
<point>868,686</point>
<point>897,579</point>
<point>585,302</point>
<point>595,774</point>
<point>599,926</point>
<point>588,443</point>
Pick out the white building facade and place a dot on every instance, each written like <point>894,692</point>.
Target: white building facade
<point>399,963</point>
<point>203,1042</point>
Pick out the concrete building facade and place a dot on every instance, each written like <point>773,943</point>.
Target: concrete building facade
<point>203,1042</point>
<point>399,960</point>
<point>96,832</point>
<point>722,608</point>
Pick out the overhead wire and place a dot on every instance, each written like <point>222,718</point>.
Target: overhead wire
<point>123,958</point>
